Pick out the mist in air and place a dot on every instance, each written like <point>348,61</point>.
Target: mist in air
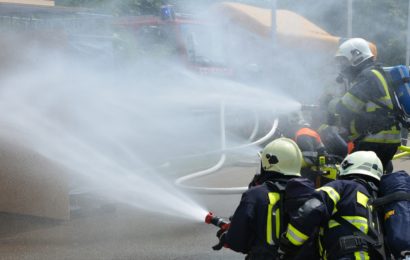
<point>119,122</point>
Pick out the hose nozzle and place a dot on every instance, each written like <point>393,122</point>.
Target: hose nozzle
<point>309,107</point>
<point>216,221</point>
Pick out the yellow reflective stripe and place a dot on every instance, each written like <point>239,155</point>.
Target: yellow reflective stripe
<point>322,127</point>
<point>388,136</point>
<point>277,223</point>
<point>322,251</point>
<point>362,199</point>
<point>273,198</point>
<point>381,140</point>
<point>352,103</point>
<point>371,107</point>
<point>295,236</point>
<point>361,255</point>
<point>333,194</point>
<point>333,223</point>
<point>353,130</point>
<point>359,222</point>
<point>386,88</point>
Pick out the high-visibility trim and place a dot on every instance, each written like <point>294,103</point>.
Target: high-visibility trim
<point>386,89</point>
<point>322,251</point>
<point>333,194</point>
<point>295,236</point>
<point>309,132</point>
<point>322,127</point>
<point>277,223</point>
<point>273,199</point>
<point>362,199</point>
<point>361,255</point>
<point>353,129</point>
<point>352,103</point>
<point>358,222</point>
<point>391,136</point>
<point>321,231</point>
<point>333,223</point>
<point>371,107</point>
<point>388,136</point>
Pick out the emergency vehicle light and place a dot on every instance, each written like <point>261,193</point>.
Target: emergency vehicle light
<point>167,13</point>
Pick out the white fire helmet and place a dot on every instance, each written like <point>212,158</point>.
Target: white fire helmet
<point>282,155</point>
<point>362,163</point>
<point>355,51</point>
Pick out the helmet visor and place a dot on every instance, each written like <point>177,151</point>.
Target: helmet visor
<point>342,63</point>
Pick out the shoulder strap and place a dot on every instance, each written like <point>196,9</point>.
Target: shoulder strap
<point>395,196</point>
<point>356,231</point>
<point>277,185</point>
<point>391,86</point>
<point>377,243</point>
<point>374,225</point>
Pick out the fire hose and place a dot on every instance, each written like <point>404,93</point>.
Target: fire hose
<point>228,190</point>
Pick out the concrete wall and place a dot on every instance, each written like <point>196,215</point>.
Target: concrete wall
<point>31,184</point>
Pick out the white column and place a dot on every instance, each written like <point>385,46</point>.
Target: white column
<point>273,21</point>
<point>349,18</point>
<point>408,37</point>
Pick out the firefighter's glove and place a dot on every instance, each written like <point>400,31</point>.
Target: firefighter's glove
<point>221,234</point>
<point>286,249</point>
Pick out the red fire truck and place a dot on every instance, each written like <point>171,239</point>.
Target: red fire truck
<point>181,37</point>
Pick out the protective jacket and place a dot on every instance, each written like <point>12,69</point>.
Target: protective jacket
<point>259,220</point>
<point>338,209</point>
<point>361,111</point>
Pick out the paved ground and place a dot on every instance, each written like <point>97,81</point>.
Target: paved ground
<point>123,233</point>
<point>126,233</point>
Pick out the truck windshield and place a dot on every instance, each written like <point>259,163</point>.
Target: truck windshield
<point>202,45</point>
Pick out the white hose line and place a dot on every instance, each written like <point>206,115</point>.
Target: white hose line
<point>250,138</point>
<point>220,163</point>
<point>261,140</point>
<point>256,128</point>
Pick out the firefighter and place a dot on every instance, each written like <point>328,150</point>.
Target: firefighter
<point>318,166</point>
<point>260,218</point>
<point>339,211</point>
<point>366,110</point>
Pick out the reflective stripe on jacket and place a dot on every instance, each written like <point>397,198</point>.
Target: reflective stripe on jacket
<point>344,198</point>
<point>256,221</point>
<point>358,101</point>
